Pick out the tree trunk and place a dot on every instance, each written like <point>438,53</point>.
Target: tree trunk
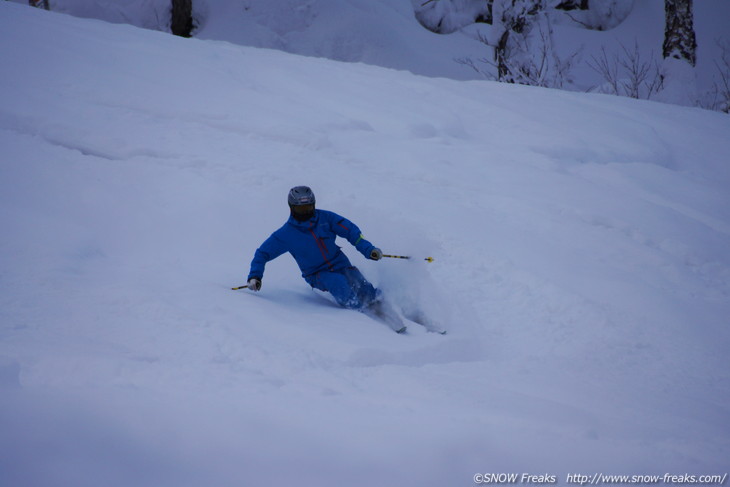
<point>572,5</point>
<point>181,23</point>
<point>39,4</point>
<point>679,33</point>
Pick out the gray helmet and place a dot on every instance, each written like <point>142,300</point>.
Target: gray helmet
<point>301,195</point>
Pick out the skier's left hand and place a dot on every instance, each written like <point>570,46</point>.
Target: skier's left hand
<point>254,284</point>
<point>376,254</point>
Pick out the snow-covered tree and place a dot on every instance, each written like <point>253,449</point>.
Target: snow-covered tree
<point>593,14</point>
<point>447,16</point>
<point>680,54</point>
<point>522,36</point>
<point>516,38</point>
<point>679,33</point>
<point>524,44</point>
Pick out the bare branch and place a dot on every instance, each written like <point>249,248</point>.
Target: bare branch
<point>629,74</point>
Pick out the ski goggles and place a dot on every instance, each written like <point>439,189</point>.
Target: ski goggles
<point>302,209</point>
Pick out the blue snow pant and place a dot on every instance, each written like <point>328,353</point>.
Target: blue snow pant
<point>348,286</point>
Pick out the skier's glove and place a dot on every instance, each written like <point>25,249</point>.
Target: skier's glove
<point>254,284</point>
<point>376,254</point>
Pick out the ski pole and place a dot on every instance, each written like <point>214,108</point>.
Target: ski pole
<point>239,287</point>
<point>427,259</point>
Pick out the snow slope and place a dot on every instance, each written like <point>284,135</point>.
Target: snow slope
<point>582,268</point>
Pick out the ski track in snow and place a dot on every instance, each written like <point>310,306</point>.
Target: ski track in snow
<point>582,271</point>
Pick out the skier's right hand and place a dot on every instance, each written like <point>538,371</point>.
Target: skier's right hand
<point>254,284</point>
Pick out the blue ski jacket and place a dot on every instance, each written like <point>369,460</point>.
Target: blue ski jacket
<point>312,244</point>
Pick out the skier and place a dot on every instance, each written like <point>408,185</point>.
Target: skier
<point>309,236</point>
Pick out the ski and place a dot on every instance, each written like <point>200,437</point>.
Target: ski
<point>385,313</point>
<point>430,326</point>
